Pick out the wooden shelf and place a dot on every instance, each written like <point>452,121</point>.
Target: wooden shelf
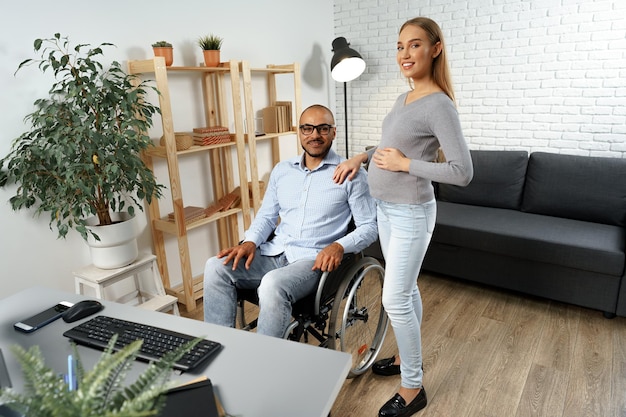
<point>161,151</point>
<point>220,109</point>
<point>269,136</point>
<point>197,293</point>
<point>222,68</point>
<point>214,83</point>
<point>270,72</point>
<point>170,227</point>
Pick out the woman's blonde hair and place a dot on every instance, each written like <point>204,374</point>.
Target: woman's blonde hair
<point>440,70</point>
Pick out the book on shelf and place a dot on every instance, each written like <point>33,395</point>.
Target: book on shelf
<point>204,141</point>
<point>270,119</point>
<point>190,214</point>
<point>210,135</point>
<point>286,110</point>
<point>278,118</point>
<point>208,130</point>
<point>227,202</point>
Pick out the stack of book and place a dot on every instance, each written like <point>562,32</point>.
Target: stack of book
<point>191,214</point>
<point>227,202</point>
<point>277,119</point>
<point>203,136</point>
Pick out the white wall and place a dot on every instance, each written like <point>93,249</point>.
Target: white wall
<point>267,32</point>
<point>535,75</point>
<point>538,75</point>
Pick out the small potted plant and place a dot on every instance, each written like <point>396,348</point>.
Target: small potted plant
<point>164,49</point>
<point>80,161</point>
<point>95,393</point>
<point>211,46</point>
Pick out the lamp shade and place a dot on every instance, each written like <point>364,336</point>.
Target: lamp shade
<point>346,64</point>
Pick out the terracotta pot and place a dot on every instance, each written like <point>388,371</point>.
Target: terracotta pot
<point>211,57</point>
<point>165,52</point>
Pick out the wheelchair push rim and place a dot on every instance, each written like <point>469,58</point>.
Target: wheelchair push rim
<point>358,322</point>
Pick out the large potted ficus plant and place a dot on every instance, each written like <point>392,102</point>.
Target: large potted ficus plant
<point>80,160</point>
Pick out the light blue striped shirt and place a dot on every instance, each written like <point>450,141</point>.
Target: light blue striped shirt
<point>313,210</point>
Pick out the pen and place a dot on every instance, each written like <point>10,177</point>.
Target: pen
<point>71,373</point>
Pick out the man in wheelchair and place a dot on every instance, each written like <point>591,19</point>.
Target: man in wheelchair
<point>308,215</point>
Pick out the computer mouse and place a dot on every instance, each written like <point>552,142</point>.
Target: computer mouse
<point>81,310</point>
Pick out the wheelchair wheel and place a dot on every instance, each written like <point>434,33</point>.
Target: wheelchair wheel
<point>358,322</point>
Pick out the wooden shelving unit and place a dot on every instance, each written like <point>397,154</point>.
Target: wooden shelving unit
<point>218,111</point>
<point>214,81</point>
<point>271,72</point>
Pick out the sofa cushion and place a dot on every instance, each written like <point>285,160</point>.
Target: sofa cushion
<point>576,187</point>
<point>498,180</point>
<point>572,243</point>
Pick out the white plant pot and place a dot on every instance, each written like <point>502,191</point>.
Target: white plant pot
<point>117,246</point>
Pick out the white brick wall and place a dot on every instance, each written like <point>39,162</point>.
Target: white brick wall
<point>539,75</point>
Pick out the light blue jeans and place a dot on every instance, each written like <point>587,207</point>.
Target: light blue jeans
<point>404,232</point>
<point>278,285</point>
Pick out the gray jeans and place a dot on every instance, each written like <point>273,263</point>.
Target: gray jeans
<point>278,284</point>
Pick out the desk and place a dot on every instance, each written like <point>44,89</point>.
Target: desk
<point>253,375</point>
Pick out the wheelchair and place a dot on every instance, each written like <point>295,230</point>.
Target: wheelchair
<point>345,313</point>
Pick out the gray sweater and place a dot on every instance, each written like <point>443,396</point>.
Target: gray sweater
<point>418,129</point>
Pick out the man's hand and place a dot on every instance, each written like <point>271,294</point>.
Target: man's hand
<point>246,250</point>
<point>329,258</point>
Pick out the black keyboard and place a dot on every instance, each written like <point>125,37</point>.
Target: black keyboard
<point>157,342</point>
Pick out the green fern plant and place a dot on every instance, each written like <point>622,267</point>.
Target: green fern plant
<point>101,391</point>
<point>210,42</point>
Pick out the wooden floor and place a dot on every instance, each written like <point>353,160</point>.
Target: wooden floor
<point>489,352</point>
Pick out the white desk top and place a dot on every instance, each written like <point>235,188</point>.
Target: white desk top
<point>253,375</point>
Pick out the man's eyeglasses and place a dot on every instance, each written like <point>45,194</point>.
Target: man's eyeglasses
<point>323,129</point>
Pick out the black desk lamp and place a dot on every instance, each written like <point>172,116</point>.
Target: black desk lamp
<point>345,66</point>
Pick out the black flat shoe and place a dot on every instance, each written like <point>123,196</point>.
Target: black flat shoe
<point>385,367</point>
<point>396,406</point>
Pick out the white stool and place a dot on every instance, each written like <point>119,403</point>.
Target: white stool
<point>99,279</point>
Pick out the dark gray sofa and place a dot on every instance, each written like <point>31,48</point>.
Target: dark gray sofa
<point>549,225</point>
